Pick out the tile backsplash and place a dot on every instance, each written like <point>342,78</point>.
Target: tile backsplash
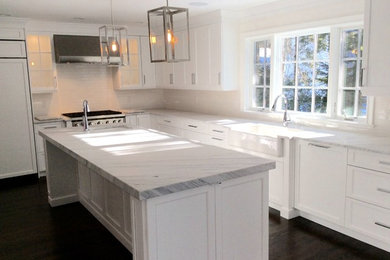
<point>76,82</point>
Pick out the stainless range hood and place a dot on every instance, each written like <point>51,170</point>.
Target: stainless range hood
<point>77,49</point>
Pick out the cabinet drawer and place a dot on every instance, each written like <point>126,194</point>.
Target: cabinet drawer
<point>218,131</point>
<point>369,186</point>
<point>194,125</point>
<point>11,34</point>
<point>169,121</point>
<point>12,49</point>
<point>368,219</point>
<point>217,141</point>
<point>369,160</point>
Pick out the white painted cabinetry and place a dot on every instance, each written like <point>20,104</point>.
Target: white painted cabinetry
<point>376,48</point>
<point>17,152</point>
<point>148,68</point>
<point>213,59</point>
<point>368,197</point>
<point>223,221</point>
<point>39,145</point>
<point>138,120</point>
<point>320,183</point>
<point>140,73</point>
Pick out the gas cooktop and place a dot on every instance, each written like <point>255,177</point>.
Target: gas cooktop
<point>92,113</point>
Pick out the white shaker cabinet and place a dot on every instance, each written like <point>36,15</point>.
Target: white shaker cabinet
<point>320,184</point>
<point>17,152</point>
<point>148,68</point>
<point>40,145</point>
<point>376,48</point>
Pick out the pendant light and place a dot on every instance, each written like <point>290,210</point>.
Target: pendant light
<point>113,44</point>
<point>169,34</point>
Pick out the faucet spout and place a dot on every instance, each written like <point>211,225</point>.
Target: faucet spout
<point>286,118</point>
<point>85,115</point>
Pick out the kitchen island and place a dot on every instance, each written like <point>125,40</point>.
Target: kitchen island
<point>161,196</point>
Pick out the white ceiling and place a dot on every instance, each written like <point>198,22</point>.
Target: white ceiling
<point>98,11</point>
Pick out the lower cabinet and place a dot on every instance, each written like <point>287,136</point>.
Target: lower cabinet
<point>223,221</point>
<point>320,181</point>
<point>39,146</point>
<point>108,203</point>
<point>215,222</point>
<point>138,120</point>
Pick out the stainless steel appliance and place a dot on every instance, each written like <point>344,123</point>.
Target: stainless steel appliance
<point>103,118</point>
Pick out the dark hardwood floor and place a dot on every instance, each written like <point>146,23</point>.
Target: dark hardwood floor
<point>31,229</point>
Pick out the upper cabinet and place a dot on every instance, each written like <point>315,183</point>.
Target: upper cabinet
<point>376,61</point>
<point>40,61</point>
<point>213,59</point>
<point>140,72</point>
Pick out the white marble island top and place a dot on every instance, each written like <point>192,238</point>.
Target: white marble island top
<point>149,163</point>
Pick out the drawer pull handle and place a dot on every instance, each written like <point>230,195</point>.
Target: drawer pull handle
<point>218,131</point>
<point>215,138</point>
<point>193,126</point>
<point>384,163</point>
<point>383,190</point>
<point>50,127</point>
<point>319,146</point>
<point>167,121</point>
<point>382,225</point>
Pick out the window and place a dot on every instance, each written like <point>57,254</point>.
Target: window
<point>318,70</point>
<point>261,74</point>
<point>353,104</point>
<point>305,69</point>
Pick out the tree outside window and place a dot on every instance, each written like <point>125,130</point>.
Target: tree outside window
<point>305,72</point>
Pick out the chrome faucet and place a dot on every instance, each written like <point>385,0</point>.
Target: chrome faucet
<point>85,115</point>
<point>286,119</point>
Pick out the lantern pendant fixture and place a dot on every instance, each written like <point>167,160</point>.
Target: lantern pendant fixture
<point>113,44</point>
<point>169,34</point>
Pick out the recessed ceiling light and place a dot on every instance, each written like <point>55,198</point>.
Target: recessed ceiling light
<point>198,3</point>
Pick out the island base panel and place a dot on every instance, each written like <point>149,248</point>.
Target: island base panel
<point>61,176</point>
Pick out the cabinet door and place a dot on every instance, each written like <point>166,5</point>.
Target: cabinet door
<point>148,68</point>
<point>376,52</point>
<point>321,180</point>
<point>17,153</point>
<point>242,218</point>
<point>202,45</point>
<point>164,75</point>
<point>215,56</point>
<point>190,66</point>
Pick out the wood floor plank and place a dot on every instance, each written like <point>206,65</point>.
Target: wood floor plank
<point>31,229</point>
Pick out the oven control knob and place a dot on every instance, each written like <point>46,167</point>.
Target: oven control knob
<point>89,123</point>
<point>119,120</point>
<point>98,122</point>
<point>77,124</point>
<point>114,121</point>
<point>107,122</point>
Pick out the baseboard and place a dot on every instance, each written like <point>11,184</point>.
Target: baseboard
<point>54,202</point>
<point>346,231</point>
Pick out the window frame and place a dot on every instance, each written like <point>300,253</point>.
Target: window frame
<point>332,116</point>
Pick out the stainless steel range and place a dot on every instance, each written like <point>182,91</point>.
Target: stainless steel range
<point>104,118</point>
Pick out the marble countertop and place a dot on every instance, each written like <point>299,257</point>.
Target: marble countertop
<point>366,142</point>
<point>149,163</point>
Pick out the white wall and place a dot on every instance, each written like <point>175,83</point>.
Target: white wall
<point>277,17</point>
